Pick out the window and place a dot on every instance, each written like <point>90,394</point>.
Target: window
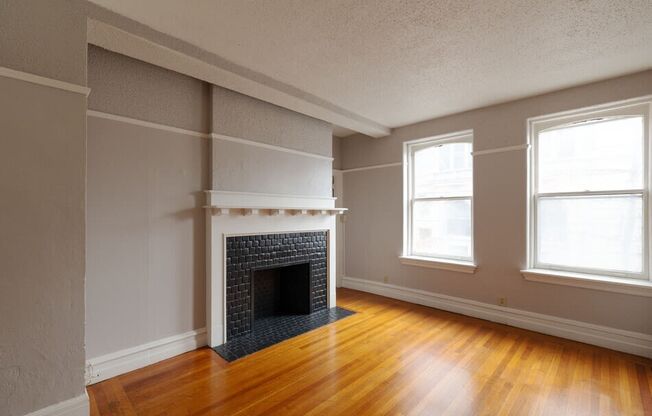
<point>589,192</point>
<point>439,198</point>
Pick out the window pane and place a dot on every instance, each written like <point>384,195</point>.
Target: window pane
<point>442,229</point>
<point>443,170</point>
<point>598,156</point>
<point>604,233</point>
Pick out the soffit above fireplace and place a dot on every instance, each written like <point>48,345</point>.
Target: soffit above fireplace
<point>246,203</point>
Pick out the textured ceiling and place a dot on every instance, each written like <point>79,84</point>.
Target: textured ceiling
<point>401,61</point>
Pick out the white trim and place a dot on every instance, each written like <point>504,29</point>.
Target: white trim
<point>478,153</point>
<point>614,105</point>
<point>271,211</point>
<point>464,136</point>
<point>440,137</point>
<point>123,361</point>
<point>340,229</point>
<point>143,123</point>
<point>501,149</point>
<point>77,406</point>
<point>384,165</point>
<point>635,287</point>
<point>266,200</point>
<point>603,336</point>
<point>269,146</point>
<point>47,82</point>
<point>165,127</point>
<point>125,43</point>
<point>640,106</point>
<point>217,230</point>
<point>442,264</point>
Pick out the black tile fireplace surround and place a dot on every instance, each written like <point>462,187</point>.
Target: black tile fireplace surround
<point>271,275</point>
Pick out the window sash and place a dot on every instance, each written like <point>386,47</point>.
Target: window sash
<point>552,122</point>
<point>586,270</point>
<point>410,199</point>
<point>439,256</point>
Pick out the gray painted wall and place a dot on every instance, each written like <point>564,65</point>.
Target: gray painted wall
<point>129,87</point>
<point>248,168</point>
<point>337,152</point>
<point>145,233</point>
<point>245,168</point>
<point>146,227</point>
<point>42,183</point>
<point>44,40</point>
<point>375,197</point>
<point>238,115</point>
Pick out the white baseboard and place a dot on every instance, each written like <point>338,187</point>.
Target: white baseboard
<point>77,406</point>
<point>603,336</point>
<point>123,361</point>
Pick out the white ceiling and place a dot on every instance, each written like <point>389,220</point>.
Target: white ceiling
<point>397,62</point>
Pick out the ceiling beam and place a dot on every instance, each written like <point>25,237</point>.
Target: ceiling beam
<point>121,41</point>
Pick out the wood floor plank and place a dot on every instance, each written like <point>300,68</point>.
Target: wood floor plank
<point>391,358</point>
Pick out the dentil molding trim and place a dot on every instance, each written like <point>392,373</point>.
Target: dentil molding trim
<point>252,203</point>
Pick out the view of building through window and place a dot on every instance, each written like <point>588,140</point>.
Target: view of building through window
<point>589,196</point>
<point>441,209</point>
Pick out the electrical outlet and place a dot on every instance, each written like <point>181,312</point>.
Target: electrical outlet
<point>502,301</point>
<point>385,279</point>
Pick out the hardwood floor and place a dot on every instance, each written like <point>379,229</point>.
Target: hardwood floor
<point>392,358</point>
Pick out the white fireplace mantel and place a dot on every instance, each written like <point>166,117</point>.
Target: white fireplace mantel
<point>247,203</point>
<point>245,213</point>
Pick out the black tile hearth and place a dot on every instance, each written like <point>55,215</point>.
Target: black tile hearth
<point>274,329</point>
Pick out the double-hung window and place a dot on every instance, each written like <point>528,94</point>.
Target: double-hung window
<point>438,223</point>
<point>589,192</point>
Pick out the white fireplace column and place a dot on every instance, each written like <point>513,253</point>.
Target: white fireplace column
<point>237,213</point>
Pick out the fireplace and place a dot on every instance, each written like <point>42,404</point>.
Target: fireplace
<point>283,290</point>
<point>276,288</point>
<point>270,268</point>
<point>274,274</point>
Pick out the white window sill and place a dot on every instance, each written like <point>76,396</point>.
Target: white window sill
<point>590,281</point>
<point>432,263</point>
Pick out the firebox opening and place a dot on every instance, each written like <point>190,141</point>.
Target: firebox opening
<point>283,290</point>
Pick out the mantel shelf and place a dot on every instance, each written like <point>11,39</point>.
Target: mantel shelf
<point>272,211</point>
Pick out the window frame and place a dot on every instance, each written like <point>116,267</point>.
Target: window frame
<point>409,147</point>
<point>618,110</point>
